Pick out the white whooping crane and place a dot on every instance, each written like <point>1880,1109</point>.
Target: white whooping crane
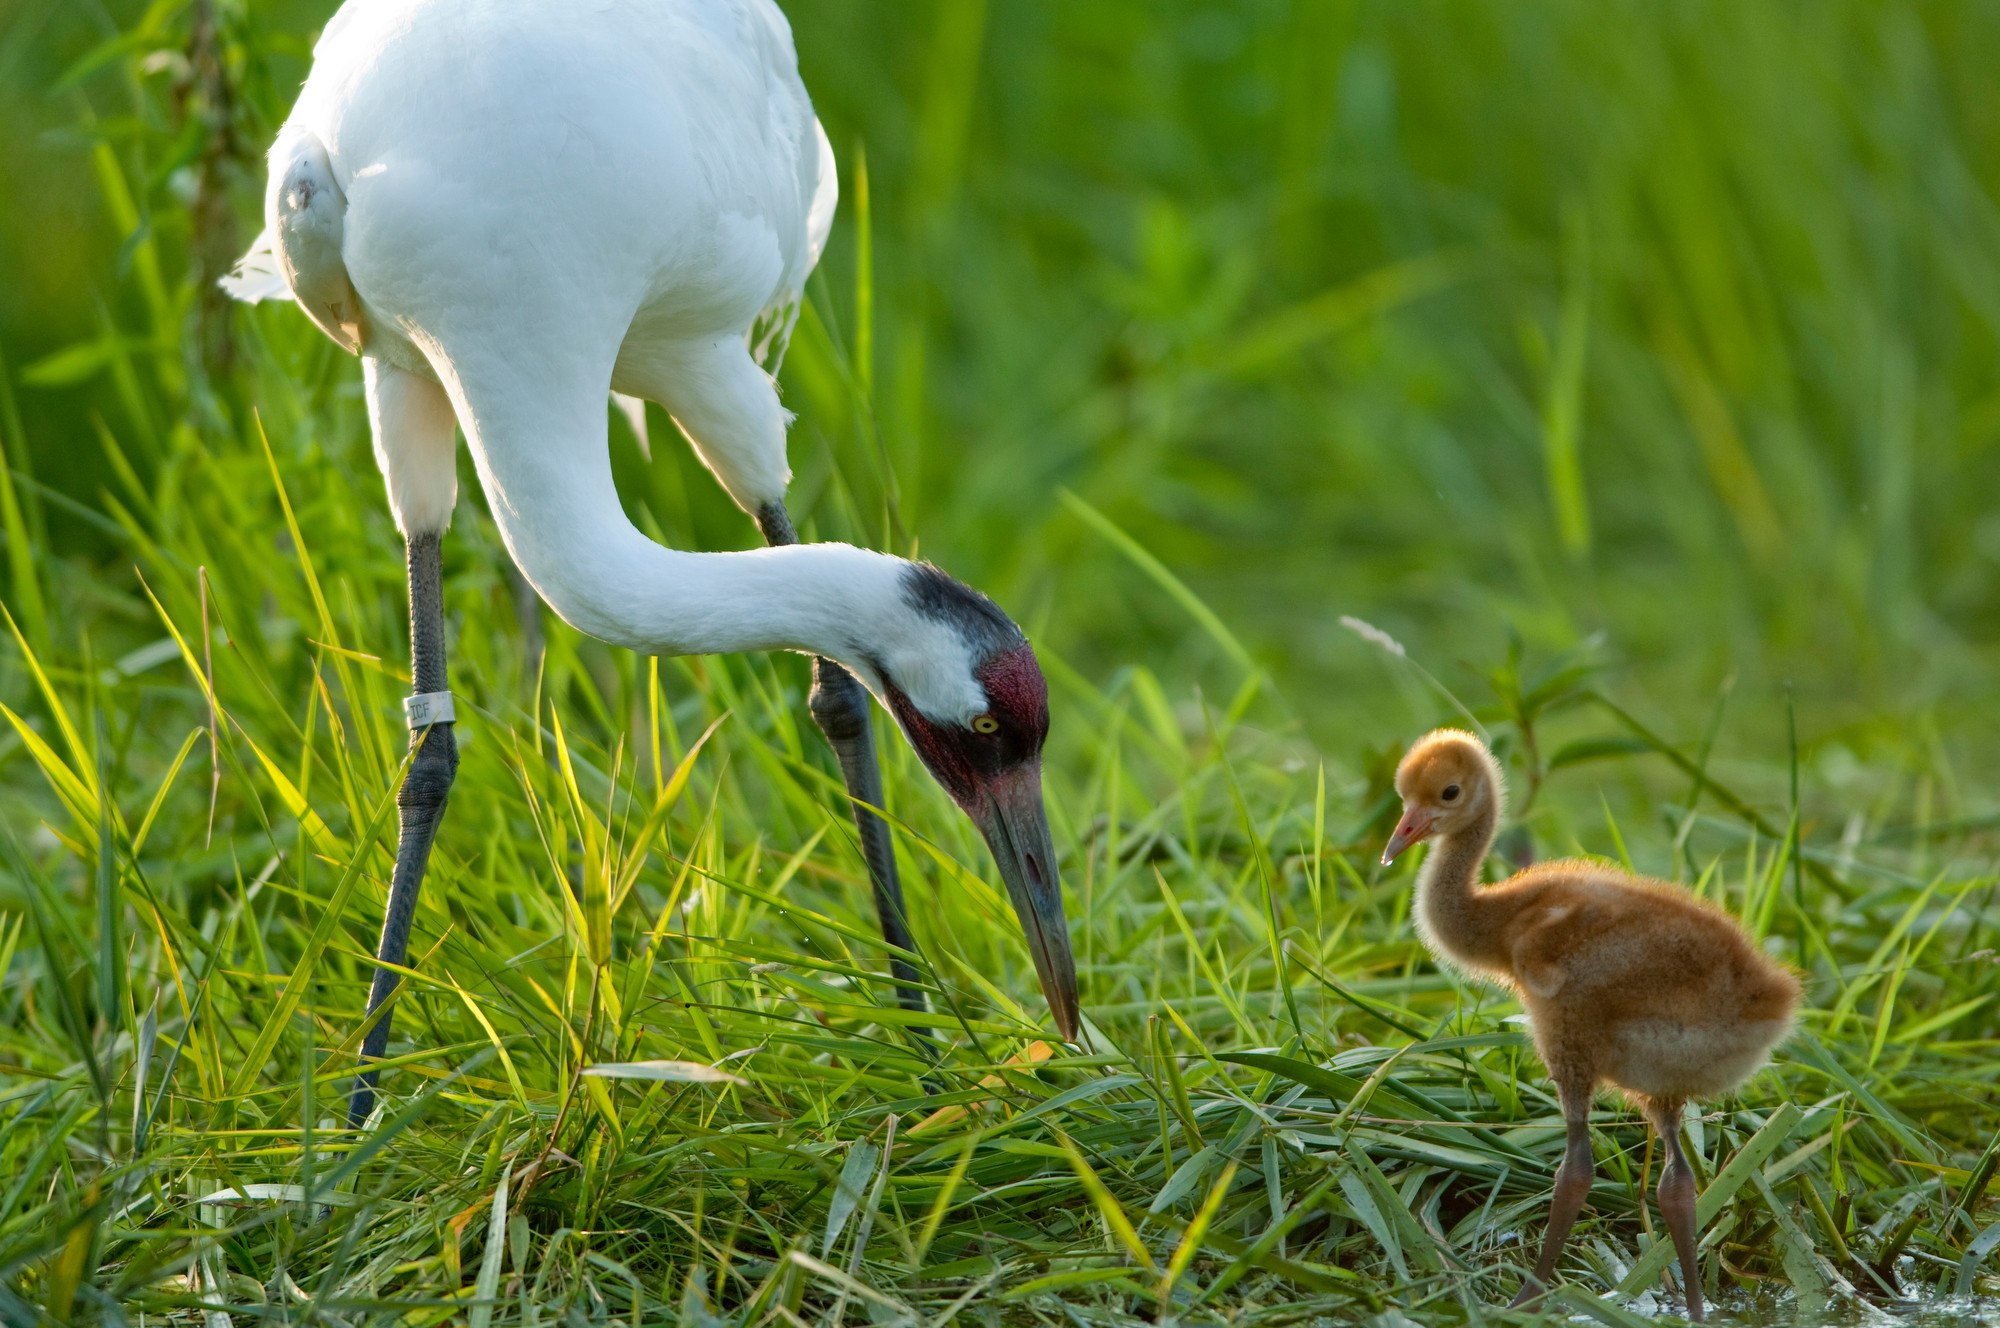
<point>510,208</point>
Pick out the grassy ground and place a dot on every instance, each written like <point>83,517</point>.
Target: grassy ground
<point>1625,370</point>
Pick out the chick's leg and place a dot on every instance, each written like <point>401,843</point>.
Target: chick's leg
<point>1677,1200</point>
<point>1573,1180</point>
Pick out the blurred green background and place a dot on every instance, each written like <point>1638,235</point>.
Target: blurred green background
<point>1676,323</point>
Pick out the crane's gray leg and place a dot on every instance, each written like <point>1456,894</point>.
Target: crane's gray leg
<point>420,802</point>
<point>1573,1179</point>
<point>840,708</point>
<point>1677,1200</point>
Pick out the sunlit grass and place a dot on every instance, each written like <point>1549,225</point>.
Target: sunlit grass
<point>1283,1105</point>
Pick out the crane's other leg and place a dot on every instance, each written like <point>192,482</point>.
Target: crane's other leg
<point>728,408</point>
<point>840,707</point>
<point>1573,1179</point>
<point>413,425</point>
<point>1677,1198</point>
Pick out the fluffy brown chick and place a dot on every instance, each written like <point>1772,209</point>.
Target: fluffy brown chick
<point>1625,980</point>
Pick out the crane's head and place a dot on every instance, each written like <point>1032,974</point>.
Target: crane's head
<point>963,684</point>
<point>1447,781</point>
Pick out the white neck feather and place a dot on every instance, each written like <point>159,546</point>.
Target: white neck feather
<point>836,600</point>
<point>823,599</point>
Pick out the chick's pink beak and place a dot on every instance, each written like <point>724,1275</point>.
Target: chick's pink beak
<point>1413,827</point>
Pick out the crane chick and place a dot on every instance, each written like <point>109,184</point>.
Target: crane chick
<point>1625,981</point>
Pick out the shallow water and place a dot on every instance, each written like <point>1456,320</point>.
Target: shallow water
<point>1786,1310</point>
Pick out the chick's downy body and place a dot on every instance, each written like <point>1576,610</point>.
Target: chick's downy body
<point>1625,981</point>
<point>1646,987</point>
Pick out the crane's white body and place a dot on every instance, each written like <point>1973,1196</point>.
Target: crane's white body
<point>510,208</point>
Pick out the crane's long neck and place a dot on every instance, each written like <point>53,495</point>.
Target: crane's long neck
<point>536,427</point>
<point>1450,914</point>
<point>822,599</point>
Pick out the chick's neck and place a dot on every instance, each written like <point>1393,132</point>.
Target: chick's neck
<point>1449,908</point>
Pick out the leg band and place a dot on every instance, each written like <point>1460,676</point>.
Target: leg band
<point>428,708</point>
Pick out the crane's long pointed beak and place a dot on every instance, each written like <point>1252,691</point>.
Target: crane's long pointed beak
<point>1017,831</point>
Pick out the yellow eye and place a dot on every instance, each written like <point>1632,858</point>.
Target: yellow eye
<point>985,724</point>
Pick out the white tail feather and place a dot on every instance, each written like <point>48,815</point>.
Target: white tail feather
<point>256,275</point>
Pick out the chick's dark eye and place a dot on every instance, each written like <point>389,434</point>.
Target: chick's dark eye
<point>1450,792</point>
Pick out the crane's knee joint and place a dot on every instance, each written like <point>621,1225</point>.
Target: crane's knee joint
<point>776,524</point>
<point>1574,1176</point>
<point>839,703</point>
<point>431,771</point>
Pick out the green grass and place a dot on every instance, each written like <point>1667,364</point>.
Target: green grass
<point>1627,369</point>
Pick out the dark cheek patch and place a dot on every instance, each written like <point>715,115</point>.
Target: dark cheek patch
<point>964,762</point>
<point>1015,686</point>
<point>944,758</point>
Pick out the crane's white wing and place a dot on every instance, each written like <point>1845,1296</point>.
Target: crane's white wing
<point>771,334</point>
<point>826,197</point>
